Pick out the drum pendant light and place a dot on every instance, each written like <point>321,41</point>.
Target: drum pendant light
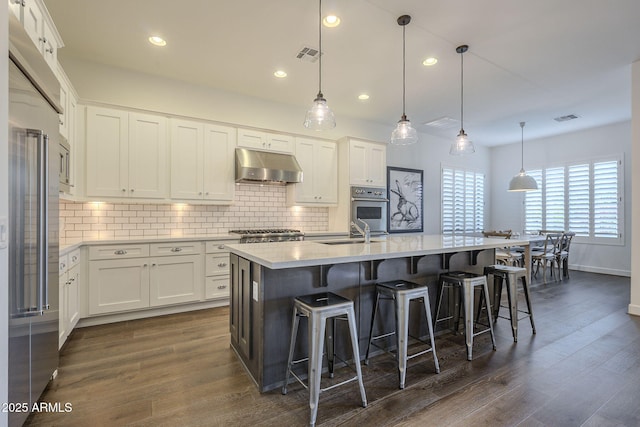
<point>462,145</point>
<point>522,181</point>
<point>320,116</point>
<point>404,134</point>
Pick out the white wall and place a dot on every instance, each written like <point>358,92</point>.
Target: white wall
<point>4,210</point>
<point>98,83</point>
<point>634,305</point>
<point>507,208</point>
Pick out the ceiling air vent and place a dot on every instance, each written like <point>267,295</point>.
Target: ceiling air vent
<point>565,118</point>
<point>443,123</point>
<point>309,54</point>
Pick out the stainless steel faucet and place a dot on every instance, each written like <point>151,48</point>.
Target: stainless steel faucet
<point>366,233</point>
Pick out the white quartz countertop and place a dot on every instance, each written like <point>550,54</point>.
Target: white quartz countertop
<point>68,245</point>
<point>309,253</point>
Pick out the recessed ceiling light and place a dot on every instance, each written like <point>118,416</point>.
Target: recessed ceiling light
<point>363,97</point>
<point>157,41</point>
<point>280,74</point>
<point>430,61</point>
<point>331,21</point>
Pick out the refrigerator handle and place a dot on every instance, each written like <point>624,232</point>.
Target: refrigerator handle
<point>43,214</point>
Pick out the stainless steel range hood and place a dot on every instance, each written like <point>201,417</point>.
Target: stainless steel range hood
<point>266,167</point>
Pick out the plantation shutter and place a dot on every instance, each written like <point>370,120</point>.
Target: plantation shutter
<point>554,199</point>
<point>462,201</point>
<point>605,199</point>
<point>533,205</point>
<point>579,199</point>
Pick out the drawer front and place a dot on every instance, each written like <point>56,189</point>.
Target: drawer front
<point>216,287</point>
<point>218,246</point>
<point>63,264</point>
<point>118,251</point>
<point>177,248</point>
<point>74,258</point>
<point>217,264</point>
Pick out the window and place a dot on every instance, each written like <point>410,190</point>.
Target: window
<point>584,197</point>
<point>462,201</point>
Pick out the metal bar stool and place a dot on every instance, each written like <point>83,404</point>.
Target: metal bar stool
<point>510,275</point>
<point>319,308</point>
<point>467,283</point>
<point>402,293</point>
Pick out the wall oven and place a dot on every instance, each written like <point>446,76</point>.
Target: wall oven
<point>64,166</point>
<point>370,205</point>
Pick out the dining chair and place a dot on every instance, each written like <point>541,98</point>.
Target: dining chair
<point>562,253</point>
<point>506,255</point>
<point>547,256</point>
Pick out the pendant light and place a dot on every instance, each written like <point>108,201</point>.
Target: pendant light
<point>320,116</point>
<point>522,181</point>
<point>404,134</point>
<point>462,144</point>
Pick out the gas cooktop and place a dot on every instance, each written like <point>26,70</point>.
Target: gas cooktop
<point>261,235</point>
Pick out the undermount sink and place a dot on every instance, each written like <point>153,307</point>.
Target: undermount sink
<point>347,242</point>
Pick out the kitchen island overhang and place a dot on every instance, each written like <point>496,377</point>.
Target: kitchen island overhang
<point>267,277</point>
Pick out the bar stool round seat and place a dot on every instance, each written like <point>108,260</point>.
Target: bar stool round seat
<point>510,275</point>
<point>465,284</point>
<point>318,308</point>
<point>402,293</point>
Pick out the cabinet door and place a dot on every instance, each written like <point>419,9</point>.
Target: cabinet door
<point>219,163</point>
<point>70,115</point>
<point>280,143</point>
<point>147,156</point>
<point>118,285</point>
<point>377,161</point>
<point>107,152</point>
<point>63,283</point>
<point>49,46</point>
<point>176,279</point>
<point>305,190</point>
<point>32,21</point>
<point>358,174</point>
<point>73,298</point>
<point>252,139</point>
<point>325,172</point>
<point>186,160</point>
<point>64,102</point>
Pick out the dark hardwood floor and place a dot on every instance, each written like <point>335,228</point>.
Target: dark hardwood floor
<point>582,368</point>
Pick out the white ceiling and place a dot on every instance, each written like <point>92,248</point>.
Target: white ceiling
<point>527,60</point>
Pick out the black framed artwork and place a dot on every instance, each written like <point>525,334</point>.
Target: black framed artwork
<point>404,191</point>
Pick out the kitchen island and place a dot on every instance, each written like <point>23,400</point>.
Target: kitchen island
<point>265,278</point>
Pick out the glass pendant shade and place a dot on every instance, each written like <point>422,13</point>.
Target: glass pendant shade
<point>522,181</point>
<point>404,133</point>
<point>462,145</point>
<point>319,116</point>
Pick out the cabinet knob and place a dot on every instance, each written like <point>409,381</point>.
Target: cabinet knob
<point>43,39</point>
<point>222,287</point>
<point>74,258</point>
<point>63,266</point>
<point>73,279</point>
<point>145,265</point>
<point>124,189</point>
<point>50,50</point>
<point>131,190</point>
<point>20,2</point>
<point>153,265</point>
<point>200,193</point>
<point>207,193</point>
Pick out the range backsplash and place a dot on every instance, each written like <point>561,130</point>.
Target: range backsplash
<point>254,206</point>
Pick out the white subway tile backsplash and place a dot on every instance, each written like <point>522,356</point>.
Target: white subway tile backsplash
<point>253,207</point>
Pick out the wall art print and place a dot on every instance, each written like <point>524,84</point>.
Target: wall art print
<point>405,200</point>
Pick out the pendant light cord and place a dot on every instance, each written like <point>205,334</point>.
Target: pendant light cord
<point>462,91</point>
<point>320,48</point>
<point>404,71</point>
<point>522,146</point>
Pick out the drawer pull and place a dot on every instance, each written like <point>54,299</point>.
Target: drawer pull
<point>222,264</point>
<point>222,287</point>
<point>220,246</point>
<point>176,249</point>
<point>120,252</point>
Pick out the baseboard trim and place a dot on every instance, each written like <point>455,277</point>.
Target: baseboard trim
<point>143,314</point>
<point>600,270</point>
<point>634,310</point>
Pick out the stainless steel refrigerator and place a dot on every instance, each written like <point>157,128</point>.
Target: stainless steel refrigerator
<point>33,227</point>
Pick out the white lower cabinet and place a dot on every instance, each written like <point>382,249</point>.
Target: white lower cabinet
<point>122,278</point>
<point>217,270</point>
<point>69,298</point>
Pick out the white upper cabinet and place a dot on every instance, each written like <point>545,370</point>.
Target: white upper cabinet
<point>38,24</point>
<point>202,161</point>
<point>265,141</point>
<point>319,163</point>
<point>367,163</point>
<point>126,154</point>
